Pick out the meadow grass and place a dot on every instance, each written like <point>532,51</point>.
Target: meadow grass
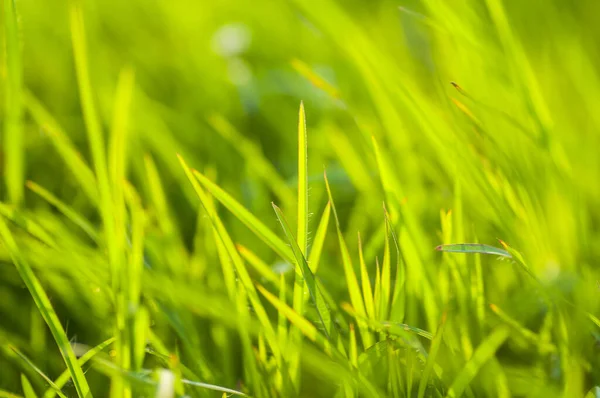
<point>229,199</point>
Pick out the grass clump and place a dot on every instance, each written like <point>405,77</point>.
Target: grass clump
<point>166,227</point>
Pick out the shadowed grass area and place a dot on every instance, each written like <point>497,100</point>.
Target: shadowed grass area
<point>215,198</point>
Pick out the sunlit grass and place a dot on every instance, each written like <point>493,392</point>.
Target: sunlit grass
<point>247,200</point>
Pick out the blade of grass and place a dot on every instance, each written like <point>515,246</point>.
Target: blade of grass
<point>316,249</point>
<point>308,277</point>
<point>259,265</point>
<point>65,209</point>
<point>28,390</point>
<point>251,221</point>
<point>13,127</point>
<point>366,283</point>
<point>29,363</point>
<point>433,351</point>
<point>72,158</point>
<point>47,311</point>
<point>66,376</point>
<point>242,272</point>
<point>473,248</point>
<point>351,281</point>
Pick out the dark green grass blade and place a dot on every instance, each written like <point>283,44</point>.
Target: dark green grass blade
<point>473,248</point>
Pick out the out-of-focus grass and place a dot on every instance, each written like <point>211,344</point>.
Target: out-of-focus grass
<point>438,123</point>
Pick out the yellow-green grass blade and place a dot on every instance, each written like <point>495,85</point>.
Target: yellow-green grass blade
<point>91,119</point>
<point>66,376</point>
<point>6,394</point>
<point>473,248</point>
<point>47,311</point>
<point>27,224</point>
<point>14,166</point>
<point>27,362</point>
<point>351,281</point>
<point>486,350</point>
<point>309,278</point>
<point>308,329</point>
<point>239,266</point>
<point>250,220</point>
<point>398,304</point>
<point>158,197</point>
<point>65,209</point>
<point>366,283</point>
<point>255,159</point>
<point>281,319</point>
<point>304,70</point>
<point>258,264</point>
<point>72,158</point>
<point>316,248</point>
<point>431,357</point>
<point>28,390</point>
<point>386,268</point>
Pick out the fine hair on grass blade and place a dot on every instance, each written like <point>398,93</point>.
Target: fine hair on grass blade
<point>309,278</point>
<point>46,310</point>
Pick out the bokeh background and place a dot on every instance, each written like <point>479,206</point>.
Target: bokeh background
<point>487,109</point>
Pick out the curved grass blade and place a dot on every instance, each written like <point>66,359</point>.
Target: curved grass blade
<point>366,283</point>
<point>46,310</point>
<point>212,387</point>
<point>6,394</point>
<point>251,221</point>
<point>258,264</point>
<point>309,278</point>
<point>28,225</point>
<point>473,248</point>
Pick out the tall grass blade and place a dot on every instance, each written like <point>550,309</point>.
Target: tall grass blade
<point>14,151</point>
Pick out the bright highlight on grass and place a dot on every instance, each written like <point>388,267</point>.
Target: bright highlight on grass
<point>280,199</point>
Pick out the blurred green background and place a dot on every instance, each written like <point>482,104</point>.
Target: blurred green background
<point>510,149</point>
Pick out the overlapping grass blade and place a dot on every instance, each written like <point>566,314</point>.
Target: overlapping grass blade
<point>314,258</point>
<point>486,350</point>
<point>251,221</point>
<point>309,278</point>
<point>37,370</point>
<point>46,310</point>
<point>351,281</point>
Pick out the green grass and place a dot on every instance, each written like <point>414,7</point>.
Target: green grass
<point>231,198</point>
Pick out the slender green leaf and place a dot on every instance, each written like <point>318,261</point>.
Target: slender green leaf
<point>309,278</point>
<point>473,248</point>
<point>46,310</point>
